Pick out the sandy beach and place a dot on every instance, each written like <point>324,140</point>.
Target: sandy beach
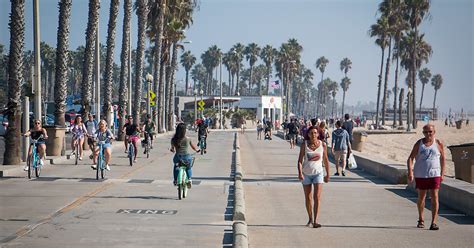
<point>397,147</point>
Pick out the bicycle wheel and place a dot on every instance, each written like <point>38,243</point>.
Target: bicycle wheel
<point>37,167</point>
<point>102,173</point>
<point>99,166</point>
<point>28,163</point>
<point>180,187</point>
<point>185,190</point>
<point>147,151</point>
<point>130,154</point>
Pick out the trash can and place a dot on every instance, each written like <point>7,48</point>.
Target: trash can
<point>463,157</point>
<point>358,140</point>
<point>458,124</point>
<point>54,143</point>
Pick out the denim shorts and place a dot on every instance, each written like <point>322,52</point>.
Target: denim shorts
<point>312,179</point>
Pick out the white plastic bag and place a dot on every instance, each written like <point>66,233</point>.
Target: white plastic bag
<point>351,162</point>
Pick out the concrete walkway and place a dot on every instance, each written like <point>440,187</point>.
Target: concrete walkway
<point>358,210</point>
<point>135,207</point>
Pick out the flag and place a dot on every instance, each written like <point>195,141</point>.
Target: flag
<point>275,84</point>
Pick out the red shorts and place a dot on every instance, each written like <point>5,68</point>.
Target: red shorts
<point>428,183</point>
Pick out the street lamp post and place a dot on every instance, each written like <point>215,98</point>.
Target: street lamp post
<point>195,104</point>
<point>149,80</point>
<point>220,103</point>
<point>37,70</point>
<point>202,93</point>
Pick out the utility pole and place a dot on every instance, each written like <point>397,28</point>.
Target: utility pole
<point>97,75</point>
<point>37,71</point>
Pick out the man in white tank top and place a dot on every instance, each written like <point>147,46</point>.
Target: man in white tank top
<point>428,172</point>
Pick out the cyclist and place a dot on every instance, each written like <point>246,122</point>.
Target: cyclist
<point>91,126</point>
<point>131,133</point>
<point>202,129</point>
<point>104,134</point>
<point>78,132</point>
<point>180,144</point>
<point>149,128</point>
<point>35,134</point>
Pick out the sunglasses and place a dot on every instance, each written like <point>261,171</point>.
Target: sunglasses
<point>37,123</point>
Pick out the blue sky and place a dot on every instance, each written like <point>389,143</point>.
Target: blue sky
<point>331,28</point>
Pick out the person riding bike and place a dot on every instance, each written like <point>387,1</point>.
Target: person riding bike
<point>131,133</point>
<point>91,126</point>
<point>202,129</point>
<point>103,134</point>
<point>180,144</point>
<point>149,128</point>
<point>35,134</point>
<point>78,131</point>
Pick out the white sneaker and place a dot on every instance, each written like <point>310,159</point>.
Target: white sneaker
<point>41,163</point>
<point>26,168</point>
<point>107,167</point>
<point>94,167</point>
<point>73,152</point>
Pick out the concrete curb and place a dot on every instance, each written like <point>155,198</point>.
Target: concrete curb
<point>391,171</point>
<point>240,233</point>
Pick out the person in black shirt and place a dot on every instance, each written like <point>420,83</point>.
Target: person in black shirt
<point>202,130</point>
<point>131,133</point>
<point>292,132</point>
<point>37,133</point>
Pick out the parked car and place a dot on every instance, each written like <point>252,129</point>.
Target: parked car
<point>3,125</point>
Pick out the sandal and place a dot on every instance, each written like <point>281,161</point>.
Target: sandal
<point>434,227</point>
<point>421,224</point>
<point>316,225</point>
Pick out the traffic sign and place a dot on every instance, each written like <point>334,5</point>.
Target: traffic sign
<point>152,103</point>
<point>200,108</point>
<point>152,95</point>
<point>201,103</point>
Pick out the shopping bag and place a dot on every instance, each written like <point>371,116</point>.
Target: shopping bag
<point>351,162</point>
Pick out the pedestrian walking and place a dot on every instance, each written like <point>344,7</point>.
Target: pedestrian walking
<point>292,133</point>
<point>427,172</point>
<point>91,126</point>
<point>259,130</point>
<point>340,147</point>
<point>323,132</point>
<point>313,156</point>
<point>348,125</point>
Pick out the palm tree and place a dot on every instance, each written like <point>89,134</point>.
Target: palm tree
<point>62,57</point>
<point>124,62</point>
<point>268,54</point>
<point>380,30</point>
<point>436,81</point>
<point>345,82</point>
<point>109,61</point>
<point>417,10</point>
<point>15,78</point>
<point>400,108</point>
<point>345,66</point>
<point>187,60</point>
<point>321,64</point>
<point>142,12</point>
<point>425,76</point>
<point>333,88</point>
<point>198,74</point>
<point>252,52</point>
<point>238,50</point>
<point>86,85</point>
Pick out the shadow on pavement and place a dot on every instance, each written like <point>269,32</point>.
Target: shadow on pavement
<point>292,179</point>
<point>444,211</point>
<point>136,197</point>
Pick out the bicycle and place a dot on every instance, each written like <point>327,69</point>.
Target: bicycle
<point>100,161</point>
<point>131,151</point>
<point>182,181</point>
<point>76,149</point>
<point>33,159</point>
<point>202,143</point>
<point>147,145</point>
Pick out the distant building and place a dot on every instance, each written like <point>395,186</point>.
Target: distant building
<point>421,114</point>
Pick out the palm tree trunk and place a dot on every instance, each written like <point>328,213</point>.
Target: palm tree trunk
<point>422,92</point>
<point>413,79</point>
<point>142,12</point>
<point>237,90</point>
<point>187,83</point>
<point>229,90</point>
<point>396,88</point>
<point>343,101</point>
<point>434,100</point>
<point>109,61</point>
<point>86,86</point>
<point>124,62</point>
<point>161,87</point>
<point>268,80</point>
<point>378,90</point>
<point>400,107</point>
<point>60,85</point>
<point>172,85</point>
<point>385,88</point>
<point>15,78</point>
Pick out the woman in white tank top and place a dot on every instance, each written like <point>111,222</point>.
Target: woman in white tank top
<point>313,155</point>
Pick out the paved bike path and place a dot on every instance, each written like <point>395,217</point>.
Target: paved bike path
<point>135,207</point>
<point>359,210</point>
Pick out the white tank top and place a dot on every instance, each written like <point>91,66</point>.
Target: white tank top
<point>313,167</point>
<point>427,164</point>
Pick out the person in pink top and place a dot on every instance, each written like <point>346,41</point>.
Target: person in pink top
<point>428,172</point>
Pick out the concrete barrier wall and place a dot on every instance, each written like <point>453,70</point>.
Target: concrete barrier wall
<point>391,171</point>
<point>239,227</point>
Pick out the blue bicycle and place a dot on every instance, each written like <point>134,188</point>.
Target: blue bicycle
<point>100,161</point>
<point>33,160</point>
<point>183,181</point>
